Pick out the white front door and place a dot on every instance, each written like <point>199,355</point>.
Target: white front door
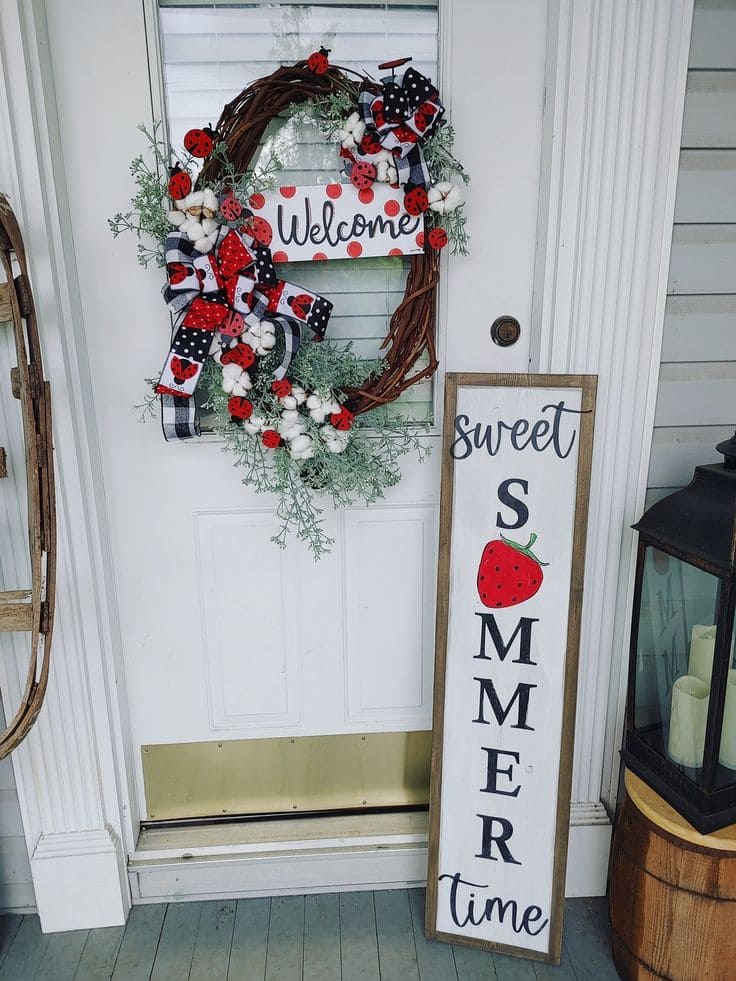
<point>344,645</point>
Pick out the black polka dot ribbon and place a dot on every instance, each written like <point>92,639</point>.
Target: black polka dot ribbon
<point>399,119</point>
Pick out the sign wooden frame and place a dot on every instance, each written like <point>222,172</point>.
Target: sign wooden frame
<point>560,674</point>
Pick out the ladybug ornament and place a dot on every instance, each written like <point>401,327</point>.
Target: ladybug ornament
<point>241,355</point>
<point>437,239</point>
<point>260,229</point>
<point>370,144</point>
<point>416,201</point>
<point>180,183</point>
<point>363,175</point>
<point>233,325</point>
<point>239,408</point>
<point>271,439</point>
<point>200,142</point>
<point>317,62</point>
<point>342,420</point>
<point>230,208</point>
<point>281,387</point>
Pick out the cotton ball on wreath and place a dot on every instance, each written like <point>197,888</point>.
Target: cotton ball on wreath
<point>301,448</point>
<point>296,397</point>
<point>235,381</point>
<point>386,172</point>
<point>291,425</point>
<point>351,132</point>
<point>321,406</point>
<point>261,337</point>
<point>194,216</point>
<point>254,425</point>
<point>335,440</point>
<point>444,197</point>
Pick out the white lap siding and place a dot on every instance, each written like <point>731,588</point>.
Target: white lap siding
<point>696,400</point>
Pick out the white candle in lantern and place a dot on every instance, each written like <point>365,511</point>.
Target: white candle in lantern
<point>687,721</point>
<point>702,645</point>
<point>727,755</point>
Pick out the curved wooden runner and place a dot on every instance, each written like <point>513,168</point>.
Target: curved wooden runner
<point>31,609</point>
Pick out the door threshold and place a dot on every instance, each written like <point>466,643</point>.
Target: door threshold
<point>208,838</point>
<point>279,857</point>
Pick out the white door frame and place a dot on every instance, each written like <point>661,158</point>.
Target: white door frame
<point>609,172</point>
<point>74,794</point>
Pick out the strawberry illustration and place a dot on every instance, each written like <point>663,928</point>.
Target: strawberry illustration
<point>508,573</point>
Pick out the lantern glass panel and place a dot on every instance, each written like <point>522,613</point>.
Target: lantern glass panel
<point>674,660</point>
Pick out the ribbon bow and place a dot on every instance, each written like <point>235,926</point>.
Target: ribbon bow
<point>224,290</point>
<point>397,119</point>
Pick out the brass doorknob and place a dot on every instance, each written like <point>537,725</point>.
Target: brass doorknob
<point>505,331</point>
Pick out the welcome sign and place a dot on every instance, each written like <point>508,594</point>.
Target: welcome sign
<point>515,480</point>
<point>336,221</point>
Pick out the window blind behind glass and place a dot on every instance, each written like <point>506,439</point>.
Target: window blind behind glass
<point>210,53</point>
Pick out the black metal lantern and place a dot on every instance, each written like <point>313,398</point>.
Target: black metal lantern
<point>681,708</point>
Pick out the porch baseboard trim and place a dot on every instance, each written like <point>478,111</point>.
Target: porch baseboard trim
<point>341,865</point>
<point>87,869</point>
<point>588,849</point>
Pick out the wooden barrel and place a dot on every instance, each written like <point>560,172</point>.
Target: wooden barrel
<point>673,894</point>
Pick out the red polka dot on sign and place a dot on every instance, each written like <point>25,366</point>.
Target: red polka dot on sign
<point>392,208</point>
<point>256,201</point>
<point>420,240</point>
<point>334,190</point>
<point>354,249</point>
<point>287,192</point>
<point>280,257</point>
<point>396,252</point>
<point>366,196</point>
<point>319,255</point>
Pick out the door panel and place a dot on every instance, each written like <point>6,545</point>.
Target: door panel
<point>223,634</point>
<point>390,557</point>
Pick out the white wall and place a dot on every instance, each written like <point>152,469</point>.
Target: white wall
<point>16,887</point>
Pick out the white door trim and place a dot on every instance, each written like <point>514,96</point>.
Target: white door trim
<point>616,90</point>
<point>71,773</point>
<point>604,244</point>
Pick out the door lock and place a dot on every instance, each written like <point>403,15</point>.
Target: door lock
<point>505,331</point>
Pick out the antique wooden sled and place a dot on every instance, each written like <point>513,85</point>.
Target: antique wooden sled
<point>30,610</point>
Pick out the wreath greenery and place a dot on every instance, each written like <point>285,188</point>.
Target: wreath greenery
<point>329,426</point>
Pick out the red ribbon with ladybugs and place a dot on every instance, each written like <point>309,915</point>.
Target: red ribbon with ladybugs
<point>223,291</point>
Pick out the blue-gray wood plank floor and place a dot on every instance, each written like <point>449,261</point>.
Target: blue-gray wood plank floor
<point>358,936</point>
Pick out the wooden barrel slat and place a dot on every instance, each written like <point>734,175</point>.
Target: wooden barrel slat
<point>699,870</point>
<point>634,970</point>
<point>673,904</point>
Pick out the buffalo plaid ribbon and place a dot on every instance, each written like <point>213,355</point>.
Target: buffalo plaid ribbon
<point>204,292</point>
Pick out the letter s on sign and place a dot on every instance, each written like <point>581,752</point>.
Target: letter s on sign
<point>517,506</point>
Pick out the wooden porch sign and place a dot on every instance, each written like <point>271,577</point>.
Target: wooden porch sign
<point>515,483</point>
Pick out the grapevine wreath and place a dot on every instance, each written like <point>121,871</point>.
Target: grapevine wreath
<point>302,418</point>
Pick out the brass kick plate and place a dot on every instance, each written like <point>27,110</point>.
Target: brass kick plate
<point>287,775</point>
